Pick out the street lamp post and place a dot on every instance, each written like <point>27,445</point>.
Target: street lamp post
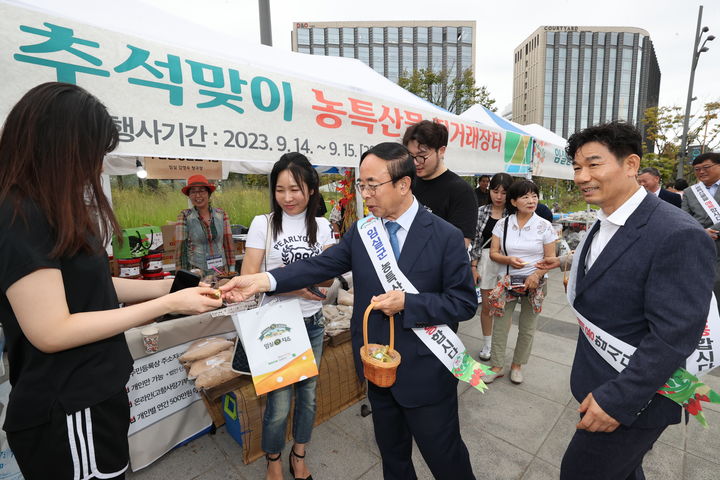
<point>265,24</point>
<point>696,55</point>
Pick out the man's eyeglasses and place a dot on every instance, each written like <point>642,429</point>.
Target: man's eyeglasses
<point>371,188</point>
<point>421,159</point>
<point>704,168</point>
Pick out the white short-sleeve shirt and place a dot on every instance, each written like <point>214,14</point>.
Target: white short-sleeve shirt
<point>526,243</point>
<point>291,245</point>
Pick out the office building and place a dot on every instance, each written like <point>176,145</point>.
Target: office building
<point>392,48</point>
<point>567,78</point>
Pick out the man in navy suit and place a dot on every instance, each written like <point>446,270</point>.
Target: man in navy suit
<point>422,404</point>
<point>649,178</point>
<point>624,280</point>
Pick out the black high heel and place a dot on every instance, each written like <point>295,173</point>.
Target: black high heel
<point>271,459</point>
<point>292,470</point>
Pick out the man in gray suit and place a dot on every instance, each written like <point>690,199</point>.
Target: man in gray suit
<point>707,171</point>
<point>625,291</point>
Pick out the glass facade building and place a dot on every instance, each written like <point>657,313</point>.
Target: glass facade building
<point>567,78</point>
<point>392,48</point>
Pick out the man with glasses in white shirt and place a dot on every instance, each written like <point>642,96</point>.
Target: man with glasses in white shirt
<point>702,199</point>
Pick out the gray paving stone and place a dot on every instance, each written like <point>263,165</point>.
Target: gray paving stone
<point>554,348</point>
<point>560,328</point>
<point>540,470</point>
<point>471,327</point>
<point>663,462</point>
<point>550,309</point>
<point>548,379</point>
<point>331,454</point>
<point>493,458</point>
<point>189,461</point>
<point>566,315</point>
<point>697,468</point>
<point>359,428</point>
<point>223,472</point>
<point>230,448</point>
<point>554,446</point>
<point>516,416</point>
<point>373,474</point>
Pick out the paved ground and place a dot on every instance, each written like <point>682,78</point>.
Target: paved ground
<point>512,432</point>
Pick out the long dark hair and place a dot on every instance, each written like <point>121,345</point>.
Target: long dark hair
<point>51,153</point>
<point>307,178</point>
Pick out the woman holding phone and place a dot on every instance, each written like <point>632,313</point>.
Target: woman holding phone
<point>289,233</point>
<point>68,414</point>
<point>519,241</point>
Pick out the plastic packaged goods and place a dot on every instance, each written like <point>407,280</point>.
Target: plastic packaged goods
<point>204,364</point>
<point>205,347</point>
<point>215,376</point>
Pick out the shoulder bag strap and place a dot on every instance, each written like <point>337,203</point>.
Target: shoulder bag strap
<point>268,217</point>
<point>505,230</point>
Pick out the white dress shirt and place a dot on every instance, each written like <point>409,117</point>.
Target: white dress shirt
<point>404,220</point>
<point>712,189</point>
<point>609,225</point>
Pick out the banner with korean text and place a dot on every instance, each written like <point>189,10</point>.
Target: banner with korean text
<point>173,102</point>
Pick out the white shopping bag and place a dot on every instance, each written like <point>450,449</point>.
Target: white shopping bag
<point>277,345</point>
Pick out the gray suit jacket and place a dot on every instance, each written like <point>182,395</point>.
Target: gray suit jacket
<point>691,205</point>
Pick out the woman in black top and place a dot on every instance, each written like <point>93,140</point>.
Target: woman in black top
<point>68,412</point>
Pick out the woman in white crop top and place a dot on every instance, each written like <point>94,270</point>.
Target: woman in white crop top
<point>290,233</point>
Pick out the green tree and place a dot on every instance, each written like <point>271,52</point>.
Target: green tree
<point>663,130</point>
<point>455,93</point>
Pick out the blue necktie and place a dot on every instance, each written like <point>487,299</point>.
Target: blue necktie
<point>392,228</point>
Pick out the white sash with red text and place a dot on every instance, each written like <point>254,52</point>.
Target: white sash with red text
<point>707,201</point>
<point>440,339</point>
<point>617,352</point>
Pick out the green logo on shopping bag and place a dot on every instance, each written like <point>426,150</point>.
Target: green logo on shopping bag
<point>274,330</point>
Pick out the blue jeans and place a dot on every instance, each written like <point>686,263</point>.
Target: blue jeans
<point>277,407</point>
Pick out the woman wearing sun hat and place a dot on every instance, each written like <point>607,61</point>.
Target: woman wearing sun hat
<point>202,236</point>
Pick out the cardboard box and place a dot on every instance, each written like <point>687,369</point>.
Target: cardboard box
<point>114,267</point>
<point>340,338</point>
<point>338,388</point>
<point>168,235</point>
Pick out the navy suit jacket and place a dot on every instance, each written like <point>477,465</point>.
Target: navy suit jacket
<point>435,261</point>
<point>670,197</point>
<point>637,290</point>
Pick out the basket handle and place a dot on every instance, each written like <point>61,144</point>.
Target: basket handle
<point>365,321</point>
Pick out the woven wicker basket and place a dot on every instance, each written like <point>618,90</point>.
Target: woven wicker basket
<point>378,372</point>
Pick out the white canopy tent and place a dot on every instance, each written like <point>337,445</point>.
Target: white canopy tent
<point>548,155</point>
<point>182,90</point>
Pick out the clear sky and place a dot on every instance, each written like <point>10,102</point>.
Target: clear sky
<point>501,26</point>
